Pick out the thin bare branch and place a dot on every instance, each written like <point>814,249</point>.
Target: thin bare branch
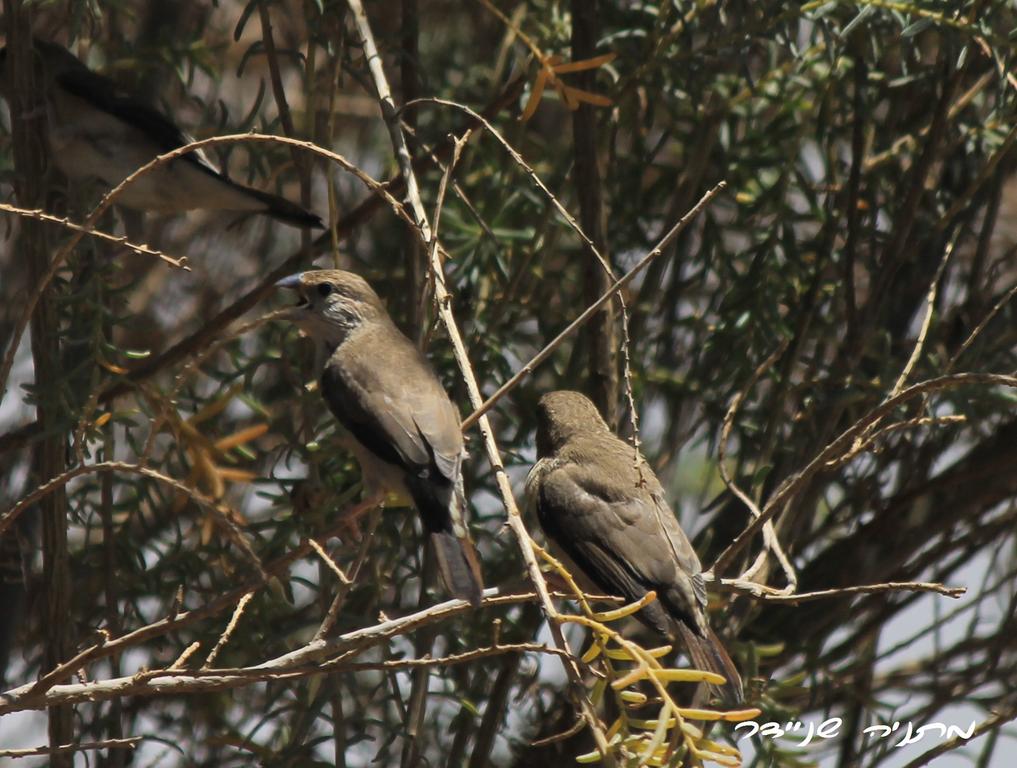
<point>172,681</point>
<point>771,595</point>
<point>843,442</point>
<point>129,743</point>
<point>228,632</point>
<point>998,717</point>
<point>40,215</point>
<point>591,310</point>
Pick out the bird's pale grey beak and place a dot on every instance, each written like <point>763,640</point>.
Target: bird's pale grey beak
<point>292,282</point>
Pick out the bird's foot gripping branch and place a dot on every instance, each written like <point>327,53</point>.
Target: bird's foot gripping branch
<point>651,728</point>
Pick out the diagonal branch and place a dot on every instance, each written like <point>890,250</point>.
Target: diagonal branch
<point>129,743</point>
<point>843,443</point>
<point>309,659</point>
<point>443,301</point>
<point>590,311</point>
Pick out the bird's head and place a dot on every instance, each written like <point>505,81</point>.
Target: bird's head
<point>564,415</point>
<point>332,304</point>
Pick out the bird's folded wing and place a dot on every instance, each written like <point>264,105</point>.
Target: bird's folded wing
<point>620,536</point>
<point>681,547</point>
<point>103,94</point>
<point>398,410</point>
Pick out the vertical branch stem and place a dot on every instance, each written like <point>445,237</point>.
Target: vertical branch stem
<point>115,758</point>
<point>515,520</point>
<point>497,704</point>
<point>598,337</point>
<point>416,268</point>
<point>30,161</point>
<point>285,115</point>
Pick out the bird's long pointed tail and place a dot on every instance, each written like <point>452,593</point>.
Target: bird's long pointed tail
<point>707,653</point>
<point>443,512</point>
<point>459,566</point>
<point>284,210</point>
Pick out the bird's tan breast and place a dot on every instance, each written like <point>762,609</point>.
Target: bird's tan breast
<point>378,475</point>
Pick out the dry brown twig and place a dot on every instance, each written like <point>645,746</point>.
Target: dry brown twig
<point>526,168</point>
<point>862,445</point>
<point>183,658</point>
<point>769,534</point>
<point>844,443</point>
<point>304,661</point>
<point>332,564</point>
<point>930,303</point>
<point>998,717</point>
<point>129,743</point>
<point>537,359</point>
<point>178,618</point>
<point>1003,301</point>
<point>121,240</point>
<point>222,514</point>
<point>441,296</point>
<point>344,589</point>
<point>539,183</point>
<point>770,595</point>
<point>230,629</point>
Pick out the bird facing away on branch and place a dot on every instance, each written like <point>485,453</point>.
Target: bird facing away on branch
<point>607,515</point>
<point>96,131</point>
<point>399,422</point>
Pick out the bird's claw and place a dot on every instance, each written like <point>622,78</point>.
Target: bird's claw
<point>350,530</point>
<point>349,519</point>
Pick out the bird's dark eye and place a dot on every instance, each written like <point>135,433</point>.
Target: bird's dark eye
<point>324,288</point>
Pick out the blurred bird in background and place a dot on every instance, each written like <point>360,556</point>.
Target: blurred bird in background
<point>96,131</point>
<point>399,421</point>
<point>608,517</point>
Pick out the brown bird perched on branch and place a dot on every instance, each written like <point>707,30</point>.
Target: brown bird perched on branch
<point>95,130</point>
<point>608,516</point>
<point>400,423</point>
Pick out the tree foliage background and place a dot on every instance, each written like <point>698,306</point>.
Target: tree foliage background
<point>863,245</point>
